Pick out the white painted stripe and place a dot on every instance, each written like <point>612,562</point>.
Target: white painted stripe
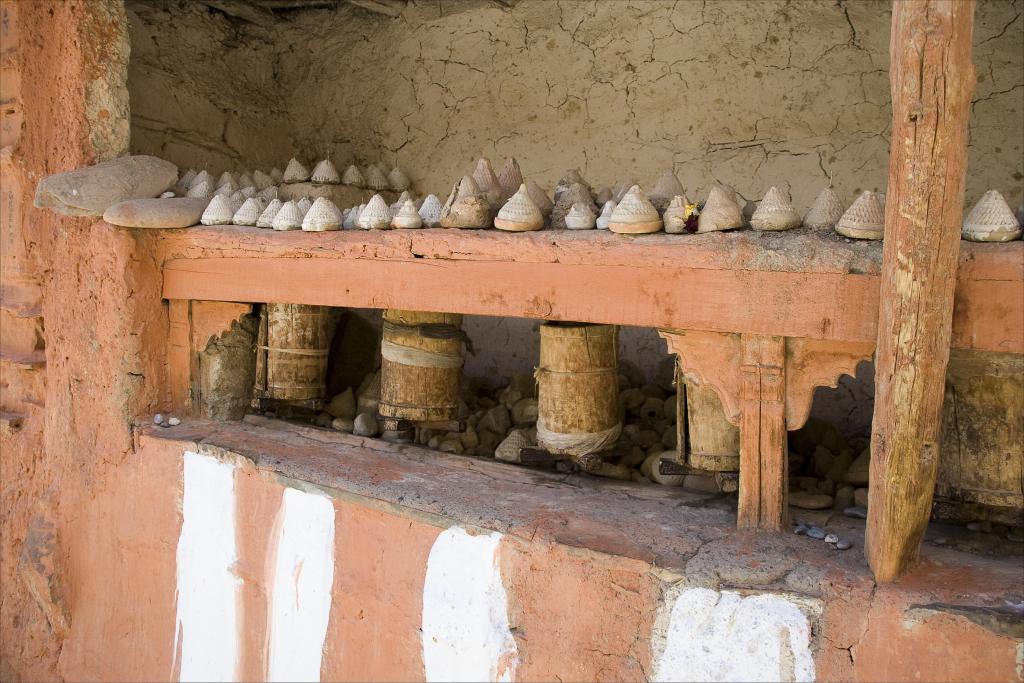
<point>466,634</point>
<point>704,635</point>
<point>208,590</point>
<point>300,600</point>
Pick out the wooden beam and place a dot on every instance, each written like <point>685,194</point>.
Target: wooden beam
<point>932,81</point>
<point>692,282</point>
<point>825,305</point>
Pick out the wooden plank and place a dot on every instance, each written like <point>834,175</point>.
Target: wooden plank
<point>774,491</point>
<point>823,305</point>
<point>932,82</point>
<point>748,512</point>
<point>685,284</point>
<point>179,355</point>
<point>764,480</point>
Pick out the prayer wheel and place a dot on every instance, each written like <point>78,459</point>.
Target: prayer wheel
<point>578,388</point>
<point>421,364</point>
<point>714,441</point>
<point>981,464</point>
<point>292,349</point>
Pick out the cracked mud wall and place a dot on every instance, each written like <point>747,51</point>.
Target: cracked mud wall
<point>753,94</point>
<point>203,88</point>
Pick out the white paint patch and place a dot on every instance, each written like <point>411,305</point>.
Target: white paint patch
<point>300,600</point>
<point>466,634</point>
<point>706,635</point>
<point>207,630</point>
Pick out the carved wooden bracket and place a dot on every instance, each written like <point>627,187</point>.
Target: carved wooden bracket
<point>718,358</point>
<point>813,363</point>
<point>714,358</point>
<point>766,385</point>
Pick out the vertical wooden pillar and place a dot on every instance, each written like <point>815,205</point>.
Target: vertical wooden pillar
<point>932,81</point>
<point>763,453</point>
<point>180,361</point>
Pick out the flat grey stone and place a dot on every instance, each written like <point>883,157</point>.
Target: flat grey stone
<point>177,212</point>
<point>816,533</point>
<point>92,190</point>
<point>858,512</point>
<point>843,544</point>
<point>365,424</point>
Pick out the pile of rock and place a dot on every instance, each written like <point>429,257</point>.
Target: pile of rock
<point>816,533</point>
<point>827,471</point>
<point>499,423</point>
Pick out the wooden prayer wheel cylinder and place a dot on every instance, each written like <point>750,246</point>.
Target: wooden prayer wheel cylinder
<point>292,349</point>
<point>578,388</point>
<point>981,465</point>
<point>421,364</point>
<point>714,441</point>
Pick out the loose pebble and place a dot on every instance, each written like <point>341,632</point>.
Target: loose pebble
<point>451,446</point>
<point>843,545</point>
<point>158,419</point>
<point>858,512</point>
<point>174,422</point>
<point>365,424</point>
<point>342,424</point>
<point>499,424</point>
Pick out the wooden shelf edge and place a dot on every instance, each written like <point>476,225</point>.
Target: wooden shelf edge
<point>677,284</point>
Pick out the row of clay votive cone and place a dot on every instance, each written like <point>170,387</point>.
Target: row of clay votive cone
<point>484,199</point>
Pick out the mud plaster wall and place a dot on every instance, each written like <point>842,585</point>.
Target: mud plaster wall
<point>204,88</point>
<point>752,94</point>
<point>64,72</point>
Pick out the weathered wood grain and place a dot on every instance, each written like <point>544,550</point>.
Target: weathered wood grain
<point>794,285</point>
<point>932,81</point>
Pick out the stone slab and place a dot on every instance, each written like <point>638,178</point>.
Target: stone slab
<point>172,212</point>
<point>89,191</point>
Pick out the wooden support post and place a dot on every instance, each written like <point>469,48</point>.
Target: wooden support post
<point>932,81</point>
<point>180,361</point>
<point>192,324</point>
<point>766,384</point>
<point>764,481</point>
